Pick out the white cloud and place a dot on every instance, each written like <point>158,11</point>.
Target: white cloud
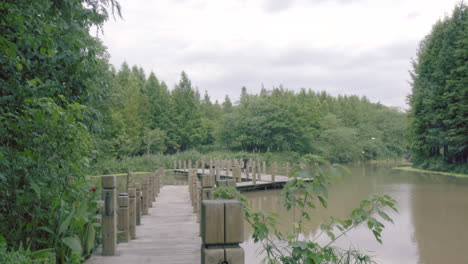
<point>343,46</point>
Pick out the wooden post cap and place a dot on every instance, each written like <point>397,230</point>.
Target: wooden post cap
<point>212,255</point>
<point>212,223</point>
<point>138,187</point>
<point>207,181</point>
<point>222,222</point>
<point>234,222</point>
<point>108,181</point>
<point>231,183</point>
<point>234,255</point>
<point>206,193</point>
<point>221,183</point>
<point>131,192</point>
<point>123,200</point>
<point>226,254</point>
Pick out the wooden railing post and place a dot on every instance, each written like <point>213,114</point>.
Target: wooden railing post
<point>109,217</point>
<point>158,180</point>
<point>274,171</point>
<point>211,168</point>
<point>222,229</point>
<point>254,176</point>
<point>259,173</point>
<point>132,212</point>
<point>155,185</point>
<point>198,198</point>
<point>138,203</point>
<point>236,173</point>
<point>144,198</point>
<point>217,172</point>
<point>150,189</point>
<point>246,170</point>
<point>122,220</point>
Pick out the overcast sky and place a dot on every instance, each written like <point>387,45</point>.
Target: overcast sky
<point>361,47</point>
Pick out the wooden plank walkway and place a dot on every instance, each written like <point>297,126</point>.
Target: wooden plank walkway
<point>247,184</point>
<point>169,234</point>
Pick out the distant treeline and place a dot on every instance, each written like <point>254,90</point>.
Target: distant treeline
<point>140,115</point>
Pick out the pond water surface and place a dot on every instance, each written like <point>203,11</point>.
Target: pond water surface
<point>431,226</point>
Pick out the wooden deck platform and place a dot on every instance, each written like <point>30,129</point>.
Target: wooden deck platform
<point>247,184</point>
<point>168,235</point>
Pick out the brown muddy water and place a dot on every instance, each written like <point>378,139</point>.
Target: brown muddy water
<point>431,227</point>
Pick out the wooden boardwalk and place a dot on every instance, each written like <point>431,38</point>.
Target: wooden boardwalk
<point>168,235</point>
<point>265,181</point>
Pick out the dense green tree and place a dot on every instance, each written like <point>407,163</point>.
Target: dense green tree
<point>439,115</point>
<point>48,61</point>
<point>188,129</point>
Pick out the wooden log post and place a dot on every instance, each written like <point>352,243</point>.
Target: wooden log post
<point>254,175</point>
<point>109,216</point>
<point>144,198</point>
<point>259,173</point>
<point>185,165</point>
<point>198,197</point>
<point>236,173</point>
<point>195,191</point>
<point>155,184</point>
<point>246,170</point>
<point>132,212</point>
<point>137,187</point>
<point>216,169</point>
<point>239,172</point>
<point>264,168</point>
<point>207,181</point>
<point>189,164</point>
<point>150,190</point>
<point>211,167</point>
<point>122,219</point>
<point>202,167</point>
<point>274,171</point>
<point>222,230</point>
<point>189,185</point>
<point>180,164</point>
<point>226,183</point>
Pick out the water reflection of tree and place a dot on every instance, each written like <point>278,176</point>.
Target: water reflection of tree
<point>440,214</point>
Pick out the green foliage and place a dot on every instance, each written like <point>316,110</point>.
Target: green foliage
<point>342,129</point>
<point>306,191</point>
<point>439,116</point>
<point>48,60</point>
<point>24,255</point>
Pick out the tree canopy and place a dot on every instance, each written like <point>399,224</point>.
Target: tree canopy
<point>438,130</point>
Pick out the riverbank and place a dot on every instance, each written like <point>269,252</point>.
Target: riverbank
<point>410,169</point>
